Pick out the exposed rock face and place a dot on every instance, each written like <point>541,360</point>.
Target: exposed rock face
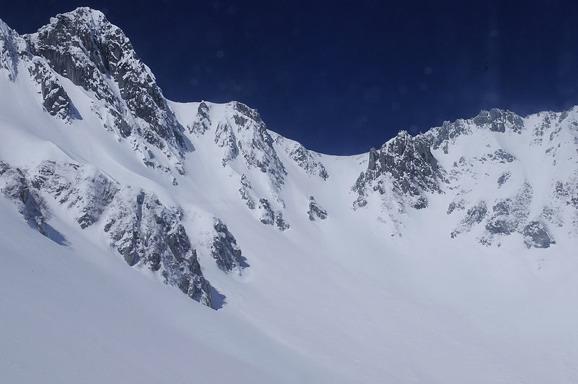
<point>264,209</point>
<point>246,192</point>
<point>225,250</point>
<point>143,230</point>
<point>566,196</point>
<point>271,217</point>
<point>315,211</point>
<point>536,235</point>
<point>248,149</point>
<point>508,214</point>
<point>462,158</point>
<point>226,139</point>
<point>82,189</point>
<point>474,215</point>
<point>504,177</point>
<point>55,99</point>
<point>501,156</point>
<point>256,144</point>
<point>445,135</point>
<point>202,121</point>
<point>11,47</point>
<point>13,51</point>
<point>306,160</point>
<point>243,136</point>
<point>94,54</point>
<point>14,186</point>
<point>405,164</point>
<point>148,234</point>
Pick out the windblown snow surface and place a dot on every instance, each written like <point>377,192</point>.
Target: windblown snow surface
<point>378,292</point>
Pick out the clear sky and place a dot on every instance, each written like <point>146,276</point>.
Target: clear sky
<point>343,76</point>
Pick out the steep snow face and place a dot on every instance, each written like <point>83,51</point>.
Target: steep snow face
<point>445,257</point>
<point>73,314</point>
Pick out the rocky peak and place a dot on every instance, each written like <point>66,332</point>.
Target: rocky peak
<point>94,54</point>
<point>407,163</point>
<point>14,50</point>
<point>86,30</point>
<point>243,132</point>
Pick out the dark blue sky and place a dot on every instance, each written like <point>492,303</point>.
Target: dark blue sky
<point>342,76</point>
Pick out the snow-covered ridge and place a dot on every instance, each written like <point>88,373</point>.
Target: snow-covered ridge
<point>88,75</point>
<point>333,260</point>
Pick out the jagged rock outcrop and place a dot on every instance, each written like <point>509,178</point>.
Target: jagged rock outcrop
<point>503,179</point>
<point>245,190</point>
<point>536,234</point>
<point>462,158</point>
<point>11,47</point>
<point>506,217</point>
<point>508,214</point>
<point>271,217</point>
<point>306,160</point>
<point>265,211</point>
<point>148,234</point>
<point>225,250</point>
<point>405,164</point>
<point>15,186</point>
<point>83,189</point>
<point>243,137</point>
<point>474,215</point>
<point>255,144</point>
<point>145,232</point>
<point>226,139</point>
<point>14,51</point>
<point>564,209</point>
<point>55,99</point>
<point>86,48</point>
<point>203,119</point>
<point>315,211</point>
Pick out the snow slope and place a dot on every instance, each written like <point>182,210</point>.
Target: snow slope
<point>447,257</point>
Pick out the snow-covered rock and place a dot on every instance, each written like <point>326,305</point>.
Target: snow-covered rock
<point>15,187</point>
<point>404,165</point>
<point>434,246</point>
<point>148,234</point>
<point>225,250</point>
<point>315,211</point>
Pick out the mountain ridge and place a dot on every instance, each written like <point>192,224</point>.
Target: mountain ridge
<point>84,47</point>
<point>206,199</point>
